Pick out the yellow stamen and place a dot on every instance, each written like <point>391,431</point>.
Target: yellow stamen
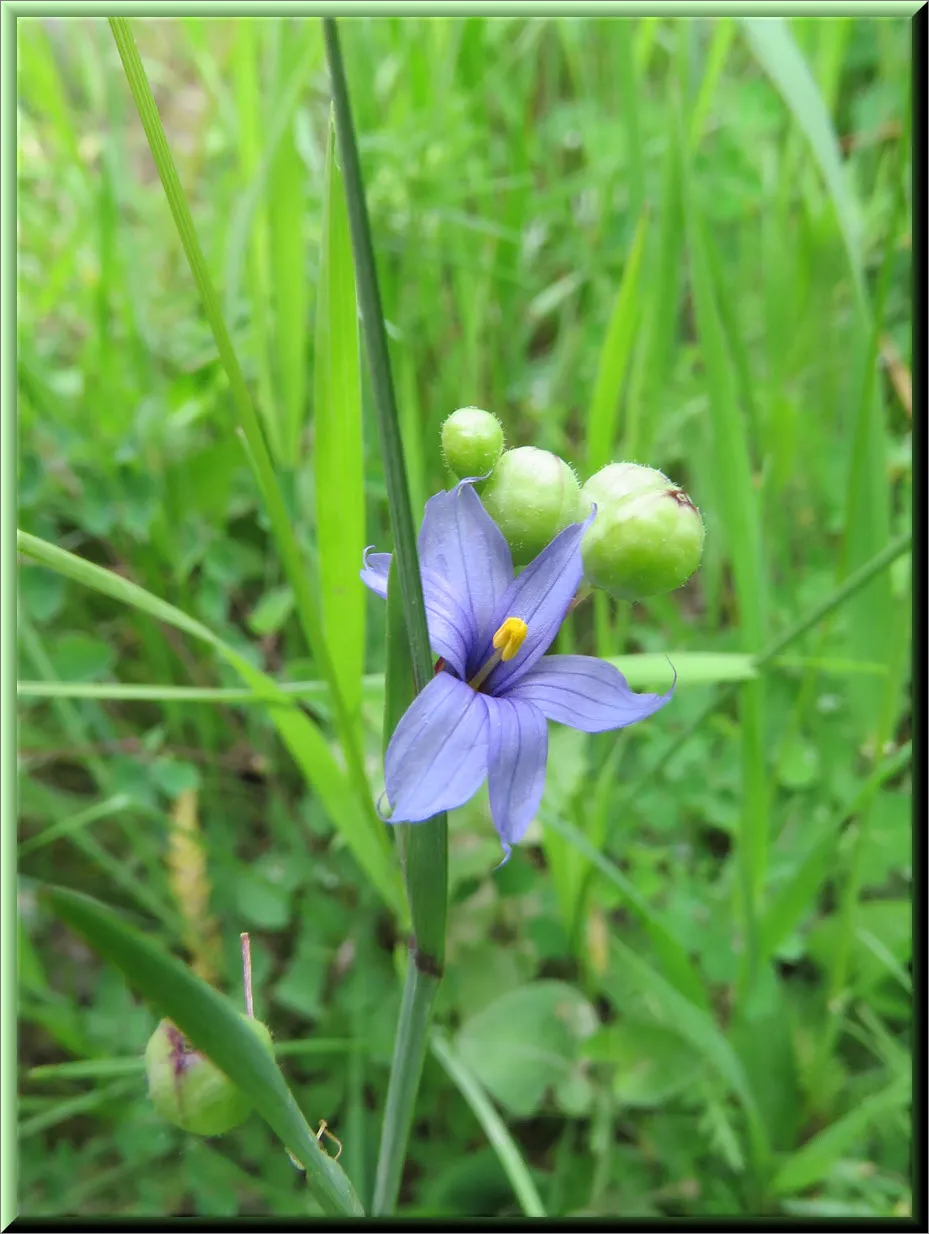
<point>510,637</point>
<point>507,640</point>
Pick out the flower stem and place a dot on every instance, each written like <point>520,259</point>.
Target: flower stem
<point>409,668</point>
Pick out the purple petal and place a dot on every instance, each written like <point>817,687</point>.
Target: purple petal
<point>518,753</point>
<point>448,621</point>
<point>437,757</point>
<point>461,543</point>
<point>585,693</point>
<point>540,596</point>
<point>374,572</point>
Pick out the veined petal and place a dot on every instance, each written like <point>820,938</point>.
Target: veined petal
<point>437,757</point>
<point>461,543</point>
<point>585,693</point>
<point>449,622</point>
<point>374,572</point>
<point>518,754</point>
<point>540,597</point>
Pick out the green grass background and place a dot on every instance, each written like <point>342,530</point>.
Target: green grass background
<point>685,243</point>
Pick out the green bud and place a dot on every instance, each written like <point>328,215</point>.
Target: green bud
<point>190,1091</point>
<point>472,441</point>
<point>531,496</point>
<point>647,538</point>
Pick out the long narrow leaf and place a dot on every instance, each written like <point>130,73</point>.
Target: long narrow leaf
<point>339,461</point>
<point>214,1027</point>
<point>299,733</point>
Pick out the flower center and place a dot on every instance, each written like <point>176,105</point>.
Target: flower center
<point>507,641</point>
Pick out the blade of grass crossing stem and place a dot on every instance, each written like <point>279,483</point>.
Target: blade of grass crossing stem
<point>286,210</point>
<point>214,1026</point>
<point>256,448</point>
<point>339,461</point>
<point>492,1124</point>
<point>299,733</point>
<point>424,849</point>
<point>737,504</point>
<point>603,413</point>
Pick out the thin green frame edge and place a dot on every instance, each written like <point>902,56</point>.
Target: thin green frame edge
<point>9,13</point>
<point>8,706</point>
<point>490,8</point>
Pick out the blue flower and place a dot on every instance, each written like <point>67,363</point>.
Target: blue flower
<point>484,714</point>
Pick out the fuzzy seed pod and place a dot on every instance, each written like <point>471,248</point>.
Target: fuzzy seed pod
<point>472,441</point>
<point>647,538</point>
<point>531,496</point>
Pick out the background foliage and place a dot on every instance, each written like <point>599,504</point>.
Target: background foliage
<point>686,243</point>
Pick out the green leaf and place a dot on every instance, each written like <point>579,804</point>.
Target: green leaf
<point>215,1028</point>
<point>774,48</point>
<point>818,1156</point>
<point>672,954</point>
<point>339,457</point>
<point>299,49</point>
<point>81,657</point>
<point>493,1125</point>
<point>699,1030</point>
<point>603,414</point>
<point>650,1063</point>
<point>526,1041</point>
<point>271,611</point>
<point>888,922</point>
<point>363,832</point>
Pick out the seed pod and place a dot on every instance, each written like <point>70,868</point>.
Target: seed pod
<point>531,496</point>
<point>647,538</point>
<point>472,441</point>
<point>190,1091</point>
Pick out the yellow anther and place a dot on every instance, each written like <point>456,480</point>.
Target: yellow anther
<point>507,641</point>
<point>510,637</point>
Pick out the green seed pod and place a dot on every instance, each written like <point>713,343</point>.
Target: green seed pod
<point>647,538</point>
<point>190,1091</point>
<point>531,496</point>
<point>472,441</point>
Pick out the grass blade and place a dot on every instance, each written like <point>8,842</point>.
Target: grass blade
<point>339,461</point>
<point>698,1028</point>
<point>816,1158</point>
<point>737,505</point>
<point>674,959</point>
<point>493,1125</point>
<point>286,208</point>
<point>256,448</point>
<point>603,413</point>
<point>299,733</point>
<point>213,1025</point>
<point>425,845</point>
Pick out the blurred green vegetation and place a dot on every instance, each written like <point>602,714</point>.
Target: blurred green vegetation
<point>757,348</point>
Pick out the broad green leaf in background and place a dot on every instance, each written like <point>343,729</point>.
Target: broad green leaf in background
<point>526,1042</point>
